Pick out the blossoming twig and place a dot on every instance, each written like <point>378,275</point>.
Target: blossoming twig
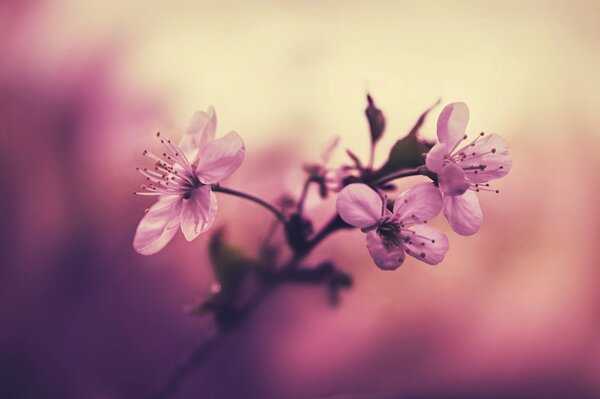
<point>187,176</point>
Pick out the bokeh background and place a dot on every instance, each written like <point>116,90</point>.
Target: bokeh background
<point>513,311</point>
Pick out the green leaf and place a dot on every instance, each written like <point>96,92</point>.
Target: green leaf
<point>408,151</point>
<point>231,266</point>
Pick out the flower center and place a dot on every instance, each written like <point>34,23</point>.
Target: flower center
<point>389,230</point>
<point>172,175</point>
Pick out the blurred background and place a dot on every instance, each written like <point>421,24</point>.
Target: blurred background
<point>513,311</point>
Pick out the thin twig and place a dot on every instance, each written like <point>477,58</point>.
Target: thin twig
<point>303,195</point>
<point>261,202</point>
<point>190,363</point>
<point>403,173</point>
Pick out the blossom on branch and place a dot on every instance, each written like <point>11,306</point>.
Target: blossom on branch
<point>464,170</point>
<point>392,234</point>
<point>182,180</point>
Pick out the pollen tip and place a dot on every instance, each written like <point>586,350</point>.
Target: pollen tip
<point>497,191</point>
<point>157,134</point>
<point>465,137</point>
<point>493,150</point>
<point>482,134</point>
<point>433,241</point>
<point>422,254</point>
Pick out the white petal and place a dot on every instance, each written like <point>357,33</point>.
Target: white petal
<point>198,212</point>
<point>201,131</point>
<point>491,151</point>
<point>463,213</point>
<point>427,244</point>
<point>419,203</point>
<point>220,158</point>
<point>158,226</point>
<point>385,258</point>
<point>359,205</point>
<point>452,180</point>
<point>452,123</point>
<point>435,157</point>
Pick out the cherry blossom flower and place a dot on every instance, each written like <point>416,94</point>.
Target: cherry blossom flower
<point>182,180</point>
<point>465,169</point>
<point>392,234</point>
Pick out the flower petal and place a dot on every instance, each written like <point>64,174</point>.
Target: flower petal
<point>452,124</point>
<point>492,152</point>
<point>220,158</point>
<point>201,131</point>
<point>452,180</point>
<point>419,203</point>
<point>158,226</point>
<point>385,258</point>
<point>359,205</point>
<point>463,213</point>
<point>427,244</point>
<point>435,157</point>
<point>198,212</point>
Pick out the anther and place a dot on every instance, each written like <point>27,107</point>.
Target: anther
<point>493,150</point>
<point>422,254</point>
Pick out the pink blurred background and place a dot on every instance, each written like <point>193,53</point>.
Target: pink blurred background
<point>513,311</point>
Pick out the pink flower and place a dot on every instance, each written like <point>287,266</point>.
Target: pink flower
<point>182,180</point>
<point>391,234</point>
<point>464,170</point>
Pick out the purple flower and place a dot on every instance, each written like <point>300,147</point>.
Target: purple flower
<point>392,234</point>
<point>465,169</point>
<point>182,180</point>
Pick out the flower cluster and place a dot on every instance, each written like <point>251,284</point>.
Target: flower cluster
<point>459,172</point>
<point>186,175</point>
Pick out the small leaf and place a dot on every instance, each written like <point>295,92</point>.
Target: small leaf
<point>354,159</point>
<point>376,120</point>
